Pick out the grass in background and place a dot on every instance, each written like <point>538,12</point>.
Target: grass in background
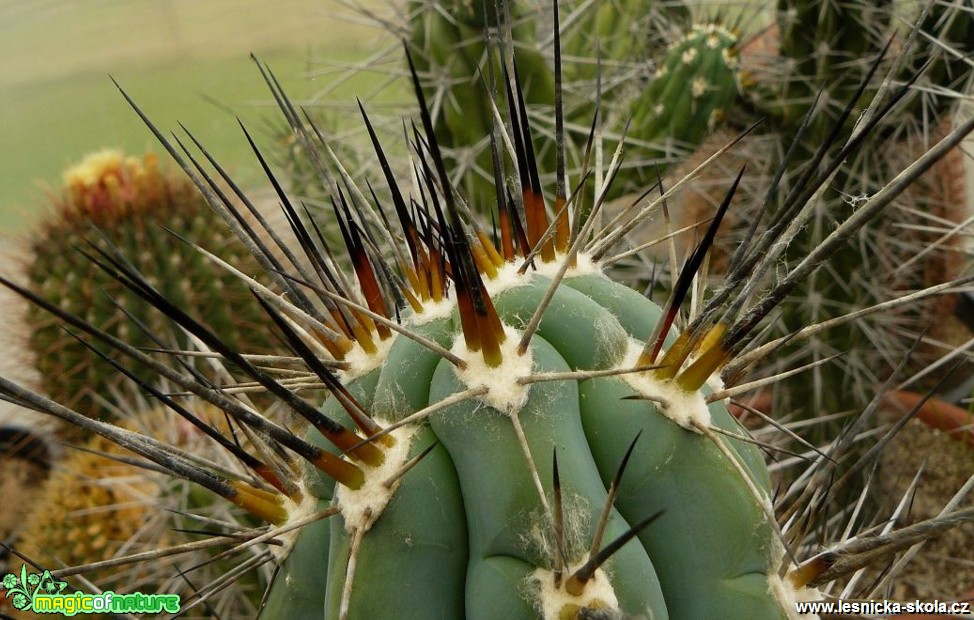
<point>181,61</point>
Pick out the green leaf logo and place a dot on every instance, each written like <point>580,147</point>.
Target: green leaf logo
<point>27,586</point>
<point>50,585</point>
<point>10,581</point>
<point>19,589</point>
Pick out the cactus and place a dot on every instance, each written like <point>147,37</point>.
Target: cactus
<point>625,33</point>
<point>671,105</point>
<point>90,509</point>
<point>832,46</point>
<point>820,47</point>
<point>503,421</point>
<point>681,477</point>
<point>832,49</point>
<point>829,45</point>
<point>96,507</point>
<point>115,201</point>
<point>692,91</point>
<point>451,54</point>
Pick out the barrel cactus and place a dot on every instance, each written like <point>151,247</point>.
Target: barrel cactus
<point>98,506</point>
<point>113,200</point>
<point>89,509</point>
<point>505,431</point>
<point>510,503</point>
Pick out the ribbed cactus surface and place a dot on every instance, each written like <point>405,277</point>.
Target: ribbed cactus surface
<point>473,519</point>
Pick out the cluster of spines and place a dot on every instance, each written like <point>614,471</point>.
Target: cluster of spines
<point>661,113</point>
<point>89,509</point>
<point>829,46</point>
<point>826,50</point>
<point>100,504</point>
<point>466,258</point>
<point>462,259</point>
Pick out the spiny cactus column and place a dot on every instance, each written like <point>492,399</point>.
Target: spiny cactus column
<point>114,201</point>
<point>825,45</point>
<point>829,50</point>
<point>665,98</point>
<point>692,91</point>
<point>831,46</point>
<point>450,43</point>
<point>625,32</point>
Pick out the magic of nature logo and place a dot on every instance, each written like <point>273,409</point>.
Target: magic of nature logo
<point>42,593</point>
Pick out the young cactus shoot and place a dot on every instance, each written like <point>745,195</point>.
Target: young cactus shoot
<point>488,426</point>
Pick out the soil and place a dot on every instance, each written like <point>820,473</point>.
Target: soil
<point>943,569</point>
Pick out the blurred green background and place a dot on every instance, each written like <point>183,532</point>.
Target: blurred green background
<point>181,60</point>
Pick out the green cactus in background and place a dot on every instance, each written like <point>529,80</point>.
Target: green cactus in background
<point>496,428</point>
<point>831,47</point>
<point>451,54</point>
<point>625,32</point>
<point>693,89</point>
<point>825,52</point>
<point>672,91</point>
<point>115,201</point>
<point>825,44</point>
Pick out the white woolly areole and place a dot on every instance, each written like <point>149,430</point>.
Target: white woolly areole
<point>361,362</point>
<point>688,409</point>
<point>361,507</point>
<point>584,265</point>
<point>715,383</point>
<point>787,595</point>
<point>551,600</point>
<point>699,87</point>
<point>507,277</point>
<point>713,29</point>
<point>504,393</point>
<point>296,511</point>
<point>432,310</point>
